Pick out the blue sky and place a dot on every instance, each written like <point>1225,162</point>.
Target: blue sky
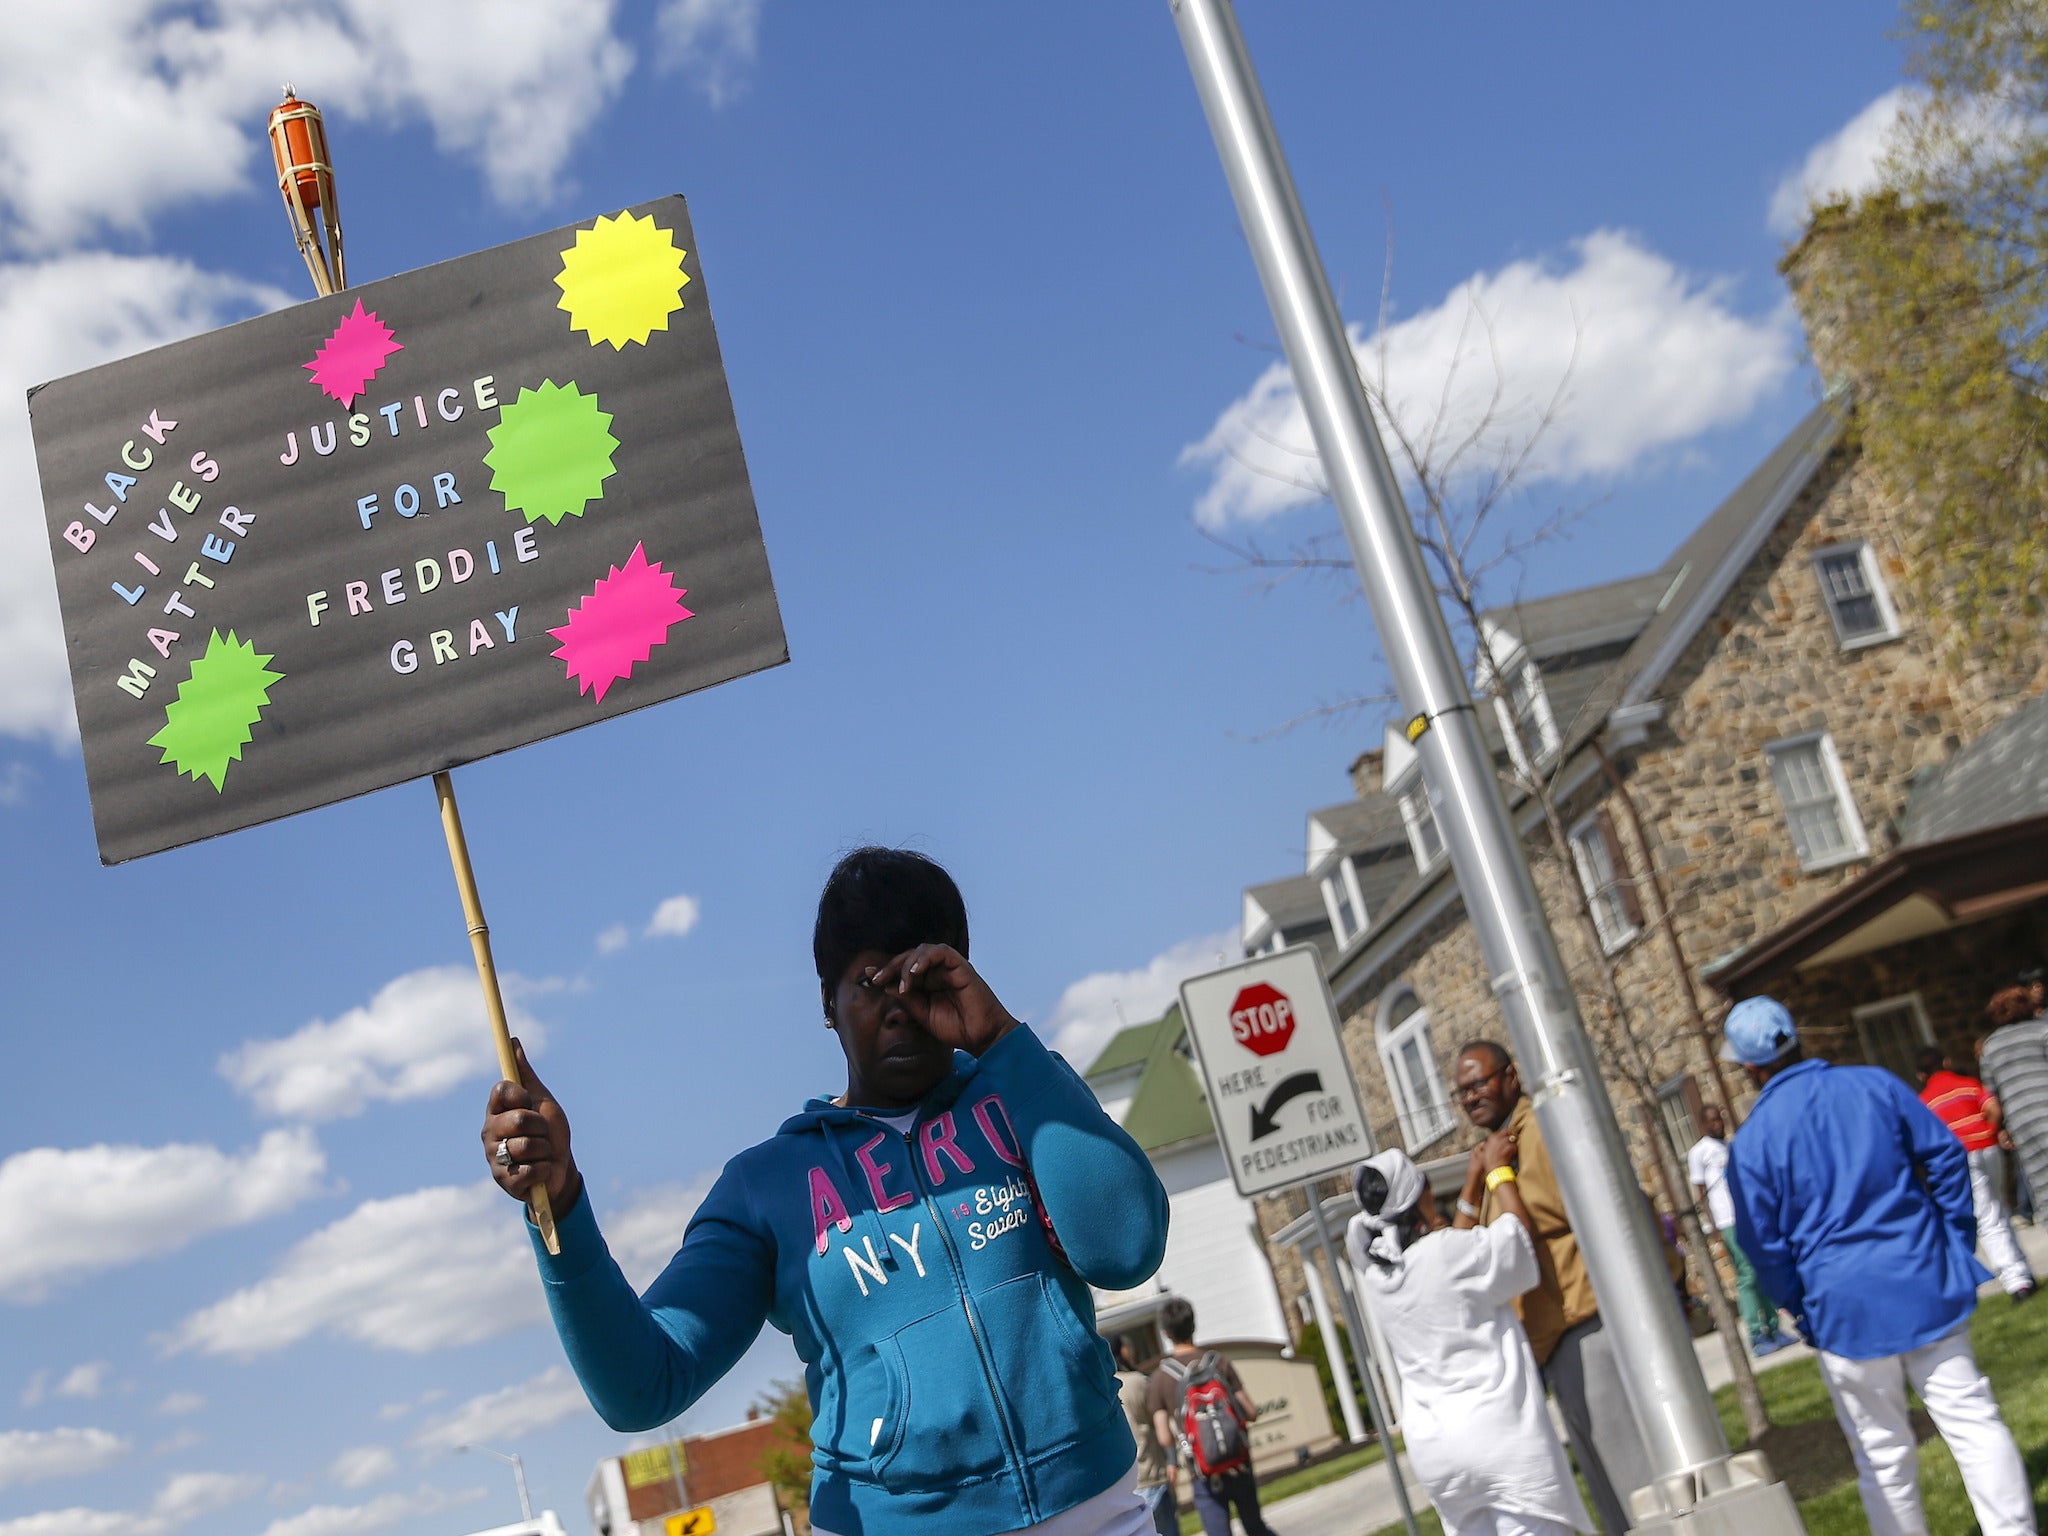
<point>998,356</point>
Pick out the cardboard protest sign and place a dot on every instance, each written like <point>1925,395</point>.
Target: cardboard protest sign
<point>400,528</point>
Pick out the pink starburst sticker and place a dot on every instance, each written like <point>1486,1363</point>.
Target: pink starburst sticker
<point>353,355</point>
<point>620,623</point>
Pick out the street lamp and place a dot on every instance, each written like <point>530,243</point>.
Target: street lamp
<point>518,1474</point>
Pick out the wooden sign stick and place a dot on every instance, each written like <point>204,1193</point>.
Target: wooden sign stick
<point>487,973</point>
<point>305,179</point>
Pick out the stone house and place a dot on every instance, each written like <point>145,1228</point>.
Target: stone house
<point>1772,770</point>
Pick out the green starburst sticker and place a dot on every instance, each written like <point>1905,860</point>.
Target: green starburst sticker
<point>207,725</point>
<point>551,452</point>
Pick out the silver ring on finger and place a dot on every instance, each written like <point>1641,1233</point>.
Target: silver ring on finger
<point>505,1153</point>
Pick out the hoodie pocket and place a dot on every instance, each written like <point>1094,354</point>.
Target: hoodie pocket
<point>945,1430</point>
<point>862,1404</point>
<point>1056,1371</point>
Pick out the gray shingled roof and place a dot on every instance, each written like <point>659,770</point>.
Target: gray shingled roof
<point>1615,610</point>
<point>1361,824</point>
<point>2000,777</point>
<point>1293,904</point>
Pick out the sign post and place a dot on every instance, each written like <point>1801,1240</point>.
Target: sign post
<point>1287,1109</point>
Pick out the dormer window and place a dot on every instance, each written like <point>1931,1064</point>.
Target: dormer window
<point>1403,770</point>
<point>1525,715</point>
<point>1423,836</point>
<point>1344,902</point>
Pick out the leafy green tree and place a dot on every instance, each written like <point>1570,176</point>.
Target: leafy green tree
<point>1934,298</point>
<point>787,1464</point>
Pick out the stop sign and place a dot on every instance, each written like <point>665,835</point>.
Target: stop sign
<point>1262,1020</point>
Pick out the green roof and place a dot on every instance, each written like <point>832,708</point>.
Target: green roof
<point>1135,1043</point>
<point>1168,1105</point>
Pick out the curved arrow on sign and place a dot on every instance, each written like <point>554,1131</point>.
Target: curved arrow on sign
<point>1265,1117</point>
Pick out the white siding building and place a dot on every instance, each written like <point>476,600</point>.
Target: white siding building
<point>1145,1078</point>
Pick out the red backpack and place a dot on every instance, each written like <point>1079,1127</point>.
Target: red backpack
<point>1213,1433</point>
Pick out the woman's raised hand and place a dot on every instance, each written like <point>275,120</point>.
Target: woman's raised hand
<point>947,997</point>
<point>526,1138</point>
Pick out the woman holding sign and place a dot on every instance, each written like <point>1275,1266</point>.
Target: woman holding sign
<point>926,1237</point>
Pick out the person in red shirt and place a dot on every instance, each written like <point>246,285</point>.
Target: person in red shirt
<point>1969,1109</point>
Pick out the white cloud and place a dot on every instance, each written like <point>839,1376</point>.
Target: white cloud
<point>714,42</point>
<point>57,317</point>
<point>674,918</point>
<point>507,1413</point>
<point>363,1465</point>
<point>438,1267</point>
<point>15,778</point>
<point>183,1499</point>
<point>30,1455</point>
<point>84,1381</point>
<point>645,1235</point>
<point>1097,1006</point>
<point>191,1494</point>
<point>614,939</point>
<point>112,110</point>
<point>358,1519</point>
<point>183,1440</point>
<point>180,1403</point>
<point>1654,358</point>
<point>94,1208</point>
<point>420,1036</point>
<point>37,1389</point>
<point>1844,164</point>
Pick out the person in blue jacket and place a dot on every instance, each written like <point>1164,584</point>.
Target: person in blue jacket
<point>926,1237</point>
<point>1853,1203</point>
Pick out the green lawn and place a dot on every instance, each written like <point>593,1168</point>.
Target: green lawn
<point>1808,1452</point>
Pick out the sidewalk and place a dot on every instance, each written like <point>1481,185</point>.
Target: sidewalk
<point>1364,1502</point>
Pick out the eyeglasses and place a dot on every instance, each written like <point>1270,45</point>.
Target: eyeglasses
<point>1476,1088</point>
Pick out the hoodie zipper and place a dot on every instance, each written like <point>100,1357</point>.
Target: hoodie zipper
<point>988,1372</point>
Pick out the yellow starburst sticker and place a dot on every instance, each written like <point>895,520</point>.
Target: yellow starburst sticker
<point>621,280</point>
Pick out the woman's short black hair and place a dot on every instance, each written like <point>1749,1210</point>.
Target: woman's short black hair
<point>888,900</point>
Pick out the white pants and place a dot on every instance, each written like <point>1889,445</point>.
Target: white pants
<point>1870,1404</point>
<point>1994,1228</point>
<point>1504,1522</point>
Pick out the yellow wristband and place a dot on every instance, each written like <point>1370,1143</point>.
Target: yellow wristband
<point>1495,1177</point>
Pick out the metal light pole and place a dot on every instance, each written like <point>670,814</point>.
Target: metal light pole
<point>1688,1455</point>
<point>518,1474</point>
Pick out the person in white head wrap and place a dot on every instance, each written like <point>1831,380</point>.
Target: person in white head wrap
<point>1473,1414</point>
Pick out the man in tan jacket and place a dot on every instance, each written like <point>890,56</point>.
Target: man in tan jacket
<point>1561,1315</point>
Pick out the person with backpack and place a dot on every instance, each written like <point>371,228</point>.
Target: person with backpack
<point>1201,1409</point>
<point>1479,1436</point>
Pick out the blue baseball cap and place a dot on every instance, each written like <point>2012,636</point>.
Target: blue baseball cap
<point>1759,1030</point>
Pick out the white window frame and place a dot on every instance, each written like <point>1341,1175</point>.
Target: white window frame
<point>1416,814</point>
<point>1340,889</point>
<point>1670,1096</point>
<point>1616,931</point>
<point>1540,717</point>
<point>1424,1119</point>
<point>1845,803</point>
<point>1867,1011</point>
<point>1880,594</point>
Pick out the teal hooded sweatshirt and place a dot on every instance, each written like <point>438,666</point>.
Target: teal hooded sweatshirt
<point>934,1283</point>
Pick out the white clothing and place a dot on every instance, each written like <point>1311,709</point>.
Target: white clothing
<point>1994,1228</point>
<point>1870,1404</point>
<point>1707,1166</point>
<point>1478,1433</point>
<point>1502,1522</point>
<point>1116,1511</point>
